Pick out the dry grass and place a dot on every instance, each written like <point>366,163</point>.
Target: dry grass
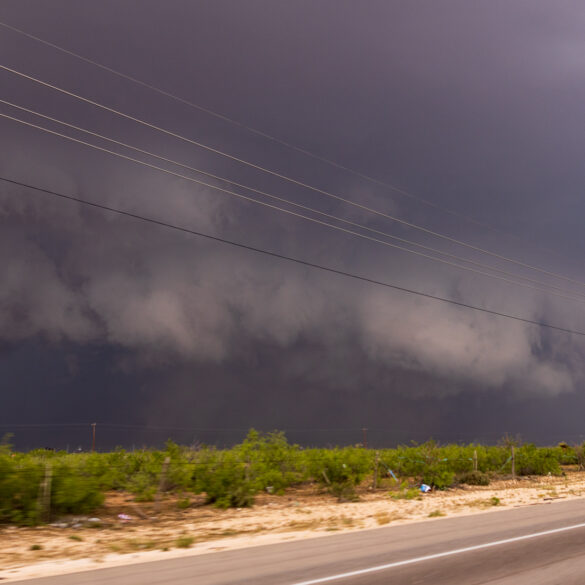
<point>302,525</point>
<point>184,541</point>
<point>75,537</point>
<point>383,518</point>
<point>487,503</point>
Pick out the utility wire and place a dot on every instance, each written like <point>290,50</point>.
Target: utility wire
<point>253,130</point>
<point>291,258</point>
<point>295,214</point>
<point>289,179</point>
<point>540,285</point>
<point>42,425</point>
<point>374,430</point>
<point>247,128</point>
<point>123,426</point>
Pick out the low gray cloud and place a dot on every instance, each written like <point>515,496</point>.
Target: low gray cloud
<point>72,275</point>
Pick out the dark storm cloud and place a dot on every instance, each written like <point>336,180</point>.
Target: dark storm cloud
<point>475,107</point>
<point>167,298</point>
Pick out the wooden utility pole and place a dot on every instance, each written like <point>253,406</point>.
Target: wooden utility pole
<point>93,425</point>
<point>475,460</point>
<point>513,462</point>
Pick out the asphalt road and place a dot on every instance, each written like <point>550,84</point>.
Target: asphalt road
<point>543,544</point>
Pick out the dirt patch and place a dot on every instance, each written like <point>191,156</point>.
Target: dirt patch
<point>127,531</point>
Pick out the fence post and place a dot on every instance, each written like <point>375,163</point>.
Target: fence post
<point>475,460</point>
<point>45,495</point>
<point>162,483</point>
<point>376,465</point>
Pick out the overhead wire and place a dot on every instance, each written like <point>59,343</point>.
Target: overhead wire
<point>290,179</point>
<point>125,426</point>
<point>248,128</point>
<point>117,427</point>
<point>293,213</point>
<point>292,259</point>
<point>572,295</point>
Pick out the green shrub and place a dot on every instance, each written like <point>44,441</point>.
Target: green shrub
<point>225,480</point>
<point>19,490</point>
<point>74,493</point>
<point>475,478</point>
<point>438,477</point>
<point>261,462</point>
<point>532,460</point>
<point>341,470</point>
<point>344,491</point>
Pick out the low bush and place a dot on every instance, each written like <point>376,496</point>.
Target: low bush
<point>532,460</point>
<point>475,478</point>
<point>73,492</point>
<point>263,462</point>
<point>19,490</point>
<point>438,477</point>
<point>340,470</point>
<point>225,480</point>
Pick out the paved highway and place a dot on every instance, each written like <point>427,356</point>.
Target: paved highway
<point>536,545</point>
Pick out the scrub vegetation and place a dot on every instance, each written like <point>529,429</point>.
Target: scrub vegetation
<point>42,485</point>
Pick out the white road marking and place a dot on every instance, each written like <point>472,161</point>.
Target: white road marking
<point>436,556</point>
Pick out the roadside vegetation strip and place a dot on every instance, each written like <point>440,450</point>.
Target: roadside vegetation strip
<point>42,485</point>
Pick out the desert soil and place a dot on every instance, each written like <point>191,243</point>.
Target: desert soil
<point>73,544</point>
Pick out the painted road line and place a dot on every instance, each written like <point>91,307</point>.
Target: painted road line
<point>437,556</point>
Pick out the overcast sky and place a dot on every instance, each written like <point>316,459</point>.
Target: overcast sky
<point>472,111</point>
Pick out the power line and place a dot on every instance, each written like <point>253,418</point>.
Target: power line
<point>291,258</point>
<point>289,179</point>
<point>257,132</point>
<point>273,207</point>
<point>124,426</point>
<point>161,428</point>
<point>42,425</point>
<point>269,205</point>
<point>571,295</point>
<point>247,128</point>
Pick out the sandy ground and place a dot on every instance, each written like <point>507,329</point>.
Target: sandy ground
<point>79,544</point>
